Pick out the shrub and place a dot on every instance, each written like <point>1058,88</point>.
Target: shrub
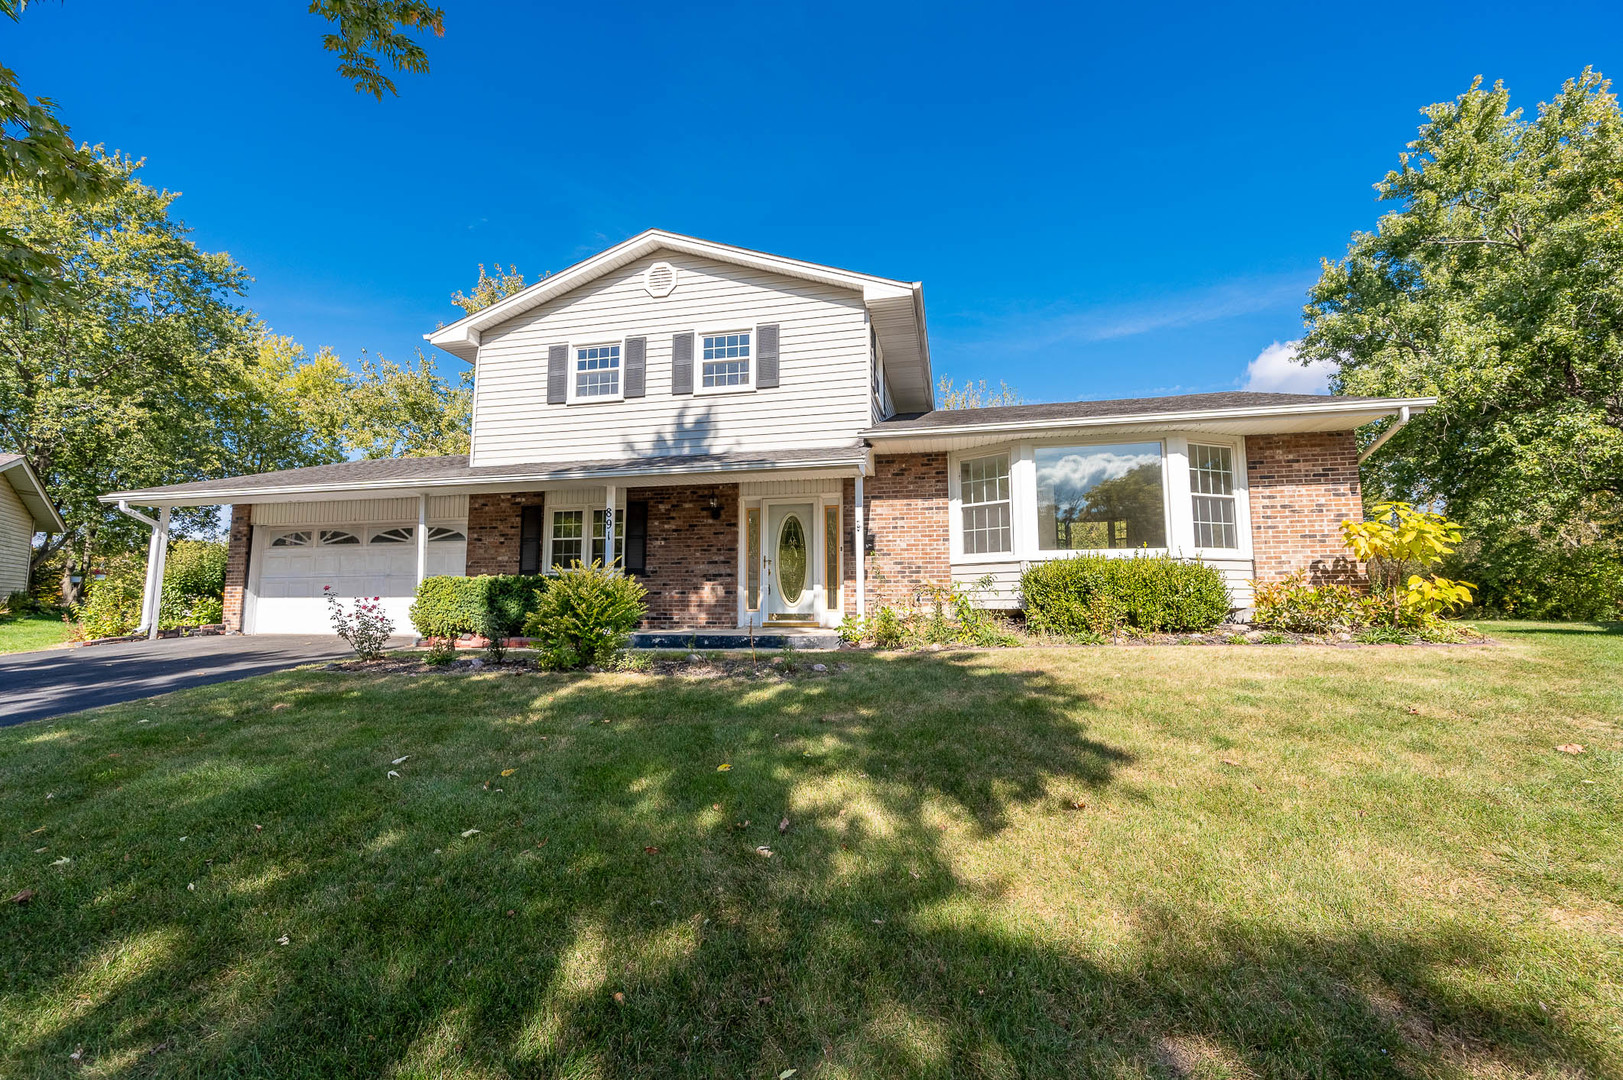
<point>367,628</point>
<point>1296,607</point>
<point>1399,539</point>
<point>1081,595</point>
<point>112,605</point>
<point>853,628</point>
<point>887,629</point>
<point>585,615</point>
<point>194,568</point>
<point>493,605</point>
<point>177,611</point>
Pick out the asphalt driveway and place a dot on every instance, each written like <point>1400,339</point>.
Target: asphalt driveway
<point>54,682</point>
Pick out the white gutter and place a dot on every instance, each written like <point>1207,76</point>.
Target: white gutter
<point>157,556</point>
<point>1119,420</point>
<point>267,494</point>
<point>1380,441</point>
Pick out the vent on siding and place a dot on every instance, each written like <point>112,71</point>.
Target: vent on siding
<point>659,279</point>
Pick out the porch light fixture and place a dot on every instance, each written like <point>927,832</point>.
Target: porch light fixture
<point>715,508</point>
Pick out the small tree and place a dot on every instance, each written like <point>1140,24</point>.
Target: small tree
<point>1400,539</point>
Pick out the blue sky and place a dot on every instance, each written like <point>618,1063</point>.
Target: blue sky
<point>1102,201</point>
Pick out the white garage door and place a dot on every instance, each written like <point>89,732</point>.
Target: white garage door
<point>295,564</point>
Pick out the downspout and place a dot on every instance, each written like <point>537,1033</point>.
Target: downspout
<point>1380,441</point>
<point>157,555</point>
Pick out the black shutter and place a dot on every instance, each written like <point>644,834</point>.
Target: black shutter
<point>766,356</point>
<point>636,365</point>
<point>682,364</point>
<point>529,541</point>
<point>636,526</point>
<point>557,374</point>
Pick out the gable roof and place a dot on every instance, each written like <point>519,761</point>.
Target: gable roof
<point>26,483</point>
<point>895,308</point>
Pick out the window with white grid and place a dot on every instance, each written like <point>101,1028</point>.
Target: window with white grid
<point>567,548</point>
<point>597,371</point>
<point>1211,489</point>
<point>983,496</point>
<point>726,360</point>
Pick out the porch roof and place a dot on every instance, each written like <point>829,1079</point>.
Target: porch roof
<point>452,475</point>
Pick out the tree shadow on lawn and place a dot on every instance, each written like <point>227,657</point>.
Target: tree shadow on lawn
<point>554,942</point>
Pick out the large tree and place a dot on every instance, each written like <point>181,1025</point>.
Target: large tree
<point>1496,284</point>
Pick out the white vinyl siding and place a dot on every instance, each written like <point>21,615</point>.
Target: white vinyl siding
<point>16,541</point>
<point>823,398</point>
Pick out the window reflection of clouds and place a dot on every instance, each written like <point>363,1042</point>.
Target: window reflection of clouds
<point>1080,470</point>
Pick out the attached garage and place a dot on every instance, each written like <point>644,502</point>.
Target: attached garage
<point>354,548</point>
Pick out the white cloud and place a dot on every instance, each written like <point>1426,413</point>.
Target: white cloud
<point>1080,472</point>
<point>1276,370</point>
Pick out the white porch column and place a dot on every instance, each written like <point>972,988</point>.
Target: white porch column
<point>609,500</point>
<point>862,551</point>
<point>422,538</point>
<point>157,556</point>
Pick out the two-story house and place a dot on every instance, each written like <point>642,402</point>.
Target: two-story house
<point>756,438</point>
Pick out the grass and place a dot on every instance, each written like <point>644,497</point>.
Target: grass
<point>1150,862</point>
<point>34,631</point>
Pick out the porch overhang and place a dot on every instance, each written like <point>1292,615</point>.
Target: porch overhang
<point>452,476</point>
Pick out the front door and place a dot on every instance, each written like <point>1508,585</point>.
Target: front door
<point>789,566</point>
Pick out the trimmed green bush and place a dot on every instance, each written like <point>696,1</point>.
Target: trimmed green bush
<point>1151,593</point>
<point>491,605</point>
<point>585,615</point>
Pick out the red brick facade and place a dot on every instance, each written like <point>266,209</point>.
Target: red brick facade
<point>1302,487</point>
<point>494,524</point>
<point>907,520</point>
<point>692,568</point>
<point>236,565</point>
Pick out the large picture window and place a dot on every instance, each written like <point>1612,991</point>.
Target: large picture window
<point>1211,490</point>
<point>1094,498</point>
<point>983,495</point>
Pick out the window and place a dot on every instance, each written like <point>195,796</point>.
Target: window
<point>831,556</point>
<point>597,371</point>
<point>440,535</point>
<point>599,531</point>
<point>983,495</point>
<point>1092,498</point>
<point>292,539</point>
<point>1211,490</point>
<point>394,536</point>
<point>752,560</point>
<point>726,361</point>
<point>566,538</point>
<point>338,538</point>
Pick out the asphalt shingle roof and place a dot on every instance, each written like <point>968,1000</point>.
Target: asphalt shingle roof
<point>1125,408</point>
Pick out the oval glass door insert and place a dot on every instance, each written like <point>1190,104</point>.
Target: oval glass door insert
<point>791,559</point>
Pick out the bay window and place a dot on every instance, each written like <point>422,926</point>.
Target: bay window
<point>1094,498</point>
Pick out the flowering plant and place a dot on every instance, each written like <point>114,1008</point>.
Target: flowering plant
<point>367,628</point>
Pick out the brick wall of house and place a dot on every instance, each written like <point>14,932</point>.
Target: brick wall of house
<point>1302,487</point>
<point>692,575</point>
<point>494,525</point>
<point>236,565</point>
<point>907,518</point>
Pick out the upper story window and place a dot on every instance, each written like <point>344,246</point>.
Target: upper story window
<point>726,361</point>
<point>1092,498</point>
<point>1211,492</point>
<point>597,371</point>
<point>983,490</point>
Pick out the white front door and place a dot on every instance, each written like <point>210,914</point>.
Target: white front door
<point>789,563</point>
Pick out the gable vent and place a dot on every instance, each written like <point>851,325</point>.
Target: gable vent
<point>659,279</point>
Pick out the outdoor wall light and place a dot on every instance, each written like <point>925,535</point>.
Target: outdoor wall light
<point>715,508</point>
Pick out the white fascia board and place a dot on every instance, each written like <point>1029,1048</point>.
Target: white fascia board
<point>495,482</point>
<point>34,497</point>
<point>1382,408</point>
<point>646,243</point>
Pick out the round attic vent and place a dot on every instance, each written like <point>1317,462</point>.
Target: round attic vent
<point>659,279</point>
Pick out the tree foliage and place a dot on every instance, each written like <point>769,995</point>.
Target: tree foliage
<point>1496,285</point>
<point>974,395</point>
<point>491,287</point>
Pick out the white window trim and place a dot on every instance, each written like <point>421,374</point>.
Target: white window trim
<point>571,396</point>
<point>586,508</point>
<point>1183,539</point>
<point>1029,452</point>
<point>698,361</point>
<point>955,501</point>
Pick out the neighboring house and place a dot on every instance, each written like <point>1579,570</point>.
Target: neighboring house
<point>25,509</point>
<point>734,427</point>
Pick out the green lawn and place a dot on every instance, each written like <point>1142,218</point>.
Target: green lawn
<point>1120,862</point>
<point>32,632</point>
